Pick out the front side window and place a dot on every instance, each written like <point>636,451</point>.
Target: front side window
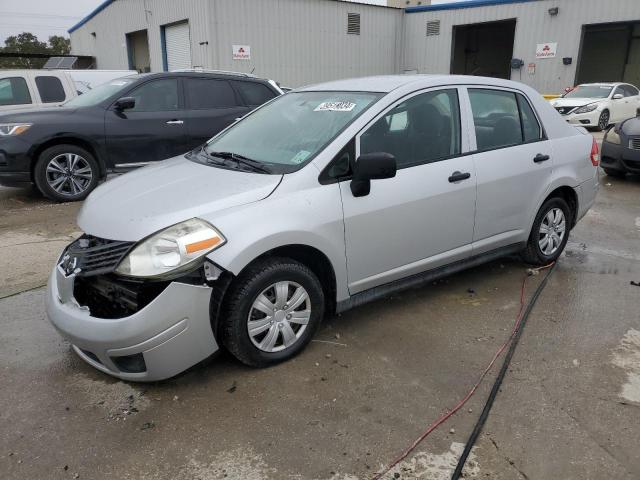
<point>14,91</point>
<point>100,93</point>
<point>290,131</point>
<point>50,89</point>
<point>156,96</point>
<point>630,90</point>
<point>422,129</point>
<point>204,93</point>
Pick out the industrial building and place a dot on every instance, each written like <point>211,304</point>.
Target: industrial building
<point>548,44</point>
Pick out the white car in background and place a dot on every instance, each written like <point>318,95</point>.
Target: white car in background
<point>598,105</point>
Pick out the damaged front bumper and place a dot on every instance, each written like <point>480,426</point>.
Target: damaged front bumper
<point>167,335</point>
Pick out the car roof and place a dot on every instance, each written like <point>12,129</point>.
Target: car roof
<point>388,83</point>
<point>199,73</point>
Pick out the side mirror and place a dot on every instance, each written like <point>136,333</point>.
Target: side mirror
<point>618,96</point>
<point>125,103</point>
<point>371,166</point>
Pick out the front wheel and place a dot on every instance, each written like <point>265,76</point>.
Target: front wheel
<point>603,121</point>
<point>550,232</point>
<point>272,311</point>
<point>66,173</point>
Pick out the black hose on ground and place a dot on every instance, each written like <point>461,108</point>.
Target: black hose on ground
<point>496,386</point>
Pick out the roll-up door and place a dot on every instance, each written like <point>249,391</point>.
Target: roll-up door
<point>177,46</point>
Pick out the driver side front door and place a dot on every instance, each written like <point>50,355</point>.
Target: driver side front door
<point>423,217</point>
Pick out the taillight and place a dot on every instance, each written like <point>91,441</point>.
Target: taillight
<point>595,153</point>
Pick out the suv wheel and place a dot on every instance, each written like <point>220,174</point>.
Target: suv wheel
<point>272,312</point>
<point>550,232</point>
<point>66,173</point>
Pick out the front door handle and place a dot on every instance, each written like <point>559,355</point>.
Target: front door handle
<point>175,122</point>
<point>541,158</point>
<point>458,176</point>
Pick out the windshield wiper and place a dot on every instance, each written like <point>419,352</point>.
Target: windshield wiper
<point>241,160</point>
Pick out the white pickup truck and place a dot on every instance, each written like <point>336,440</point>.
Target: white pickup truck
<point>37,88</point>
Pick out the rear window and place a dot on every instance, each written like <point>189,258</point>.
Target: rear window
<point>50,89</point>
<point>14,91</point>
<point>254,93</point>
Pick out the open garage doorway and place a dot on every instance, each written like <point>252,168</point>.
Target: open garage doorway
<point>483,49</point>
<point>610,53</point>
<point>138,51</point>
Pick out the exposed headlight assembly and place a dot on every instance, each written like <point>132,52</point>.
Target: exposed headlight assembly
<point>587,108</point>
<point>8,129</point>
<point>612,137</point>
<point>171,251</point>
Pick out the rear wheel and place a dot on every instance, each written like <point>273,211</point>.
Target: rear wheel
<point>614,173</point>
<point>66,173</point>
<point>550,232</point>
<point>272,311</point>
<point>603,121</point>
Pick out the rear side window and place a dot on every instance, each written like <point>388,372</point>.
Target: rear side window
<point>50,89</point>
<point>205,93</point>
<point>254,93</point>
<point>14,91</point>
<point>502,119</point>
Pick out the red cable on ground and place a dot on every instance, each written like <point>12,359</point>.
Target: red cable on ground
<point>405,453</point>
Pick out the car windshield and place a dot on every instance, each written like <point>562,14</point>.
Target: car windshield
<point>100,93</point>
<point>291,130</point>
<point>589,91</point>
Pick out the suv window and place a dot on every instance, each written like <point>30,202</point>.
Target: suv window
<point>156,96</point>
<point>422,129</point>
<point>50,89</point>
<point>14,91</point>
<point>205,93</point>
<point>502,119</point>
<point>254,93</point>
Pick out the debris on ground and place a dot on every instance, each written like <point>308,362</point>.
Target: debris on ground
<point>635,284</point>
<point>452,431</point>
<point>532,272</point>
<point>471,291</point>
<point>148,426</point>
<point>233,387</point>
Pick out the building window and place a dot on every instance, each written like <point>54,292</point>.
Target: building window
<point>353,23</point>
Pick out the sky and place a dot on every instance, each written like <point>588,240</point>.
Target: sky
<point>54,17</point>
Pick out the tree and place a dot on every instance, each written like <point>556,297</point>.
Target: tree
<point>27,42</point>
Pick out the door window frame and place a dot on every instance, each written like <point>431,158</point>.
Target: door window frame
<point>472,126</point>
<point>135,86</point>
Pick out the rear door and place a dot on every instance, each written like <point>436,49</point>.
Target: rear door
<point>212,105</point>
<point>513,163</point>
<point>153,130</point>
<point>423,217</point>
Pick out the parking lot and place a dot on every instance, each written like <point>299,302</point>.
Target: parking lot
<point>369,384</point>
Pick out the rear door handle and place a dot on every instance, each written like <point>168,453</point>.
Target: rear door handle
<point>541,158</point>
<point>458,176</point>
<point>175,122</point>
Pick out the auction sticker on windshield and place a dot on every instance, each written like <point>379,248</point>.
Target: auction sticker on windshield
<point>335,107</point>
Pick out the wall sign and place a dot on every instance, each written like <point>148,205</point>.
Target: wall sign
<point>546,50</point>
<point>241,52</point>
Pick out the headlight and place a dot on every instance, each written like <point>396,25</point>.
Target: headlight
<point>587,108</point>
<point>7,129</point>
<point>171,251</point>
<point>612,137</point>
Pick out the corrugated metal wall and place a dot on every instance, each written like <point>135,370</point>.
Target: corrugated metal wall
<point>295,42</point>
<point>534,25</point>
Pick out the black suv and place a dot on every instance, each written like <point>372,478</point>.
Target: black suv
<point>120,125</point>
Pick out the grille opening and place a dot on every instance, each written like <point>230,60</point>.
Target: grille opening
<point>433,28</point>
<point>130,363</point>
<point>353,23</point>
<point>94,256</point>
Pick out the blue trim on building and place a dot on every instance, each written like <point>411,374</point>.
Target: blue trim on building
<point>163,46</point>
<point>459,5</point>
<point>96,11</point>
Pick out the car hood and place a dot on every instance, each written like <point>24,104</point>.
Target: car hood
<point>137,204</point>
<point>574,102</point>
<point>34,114</point>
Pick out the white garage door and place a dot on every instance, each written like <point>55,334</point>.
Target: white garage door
<point>178,46</point>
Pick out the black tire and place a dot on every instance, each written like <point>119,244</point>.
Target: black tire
<point>246,289</point>
<point>533,254</point>
<point>603,121</point>
<point>614,173</point>
<point>75,186</point>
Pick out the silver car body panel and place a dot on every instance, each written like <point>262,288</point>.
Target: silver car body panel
<point>409,224</point>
